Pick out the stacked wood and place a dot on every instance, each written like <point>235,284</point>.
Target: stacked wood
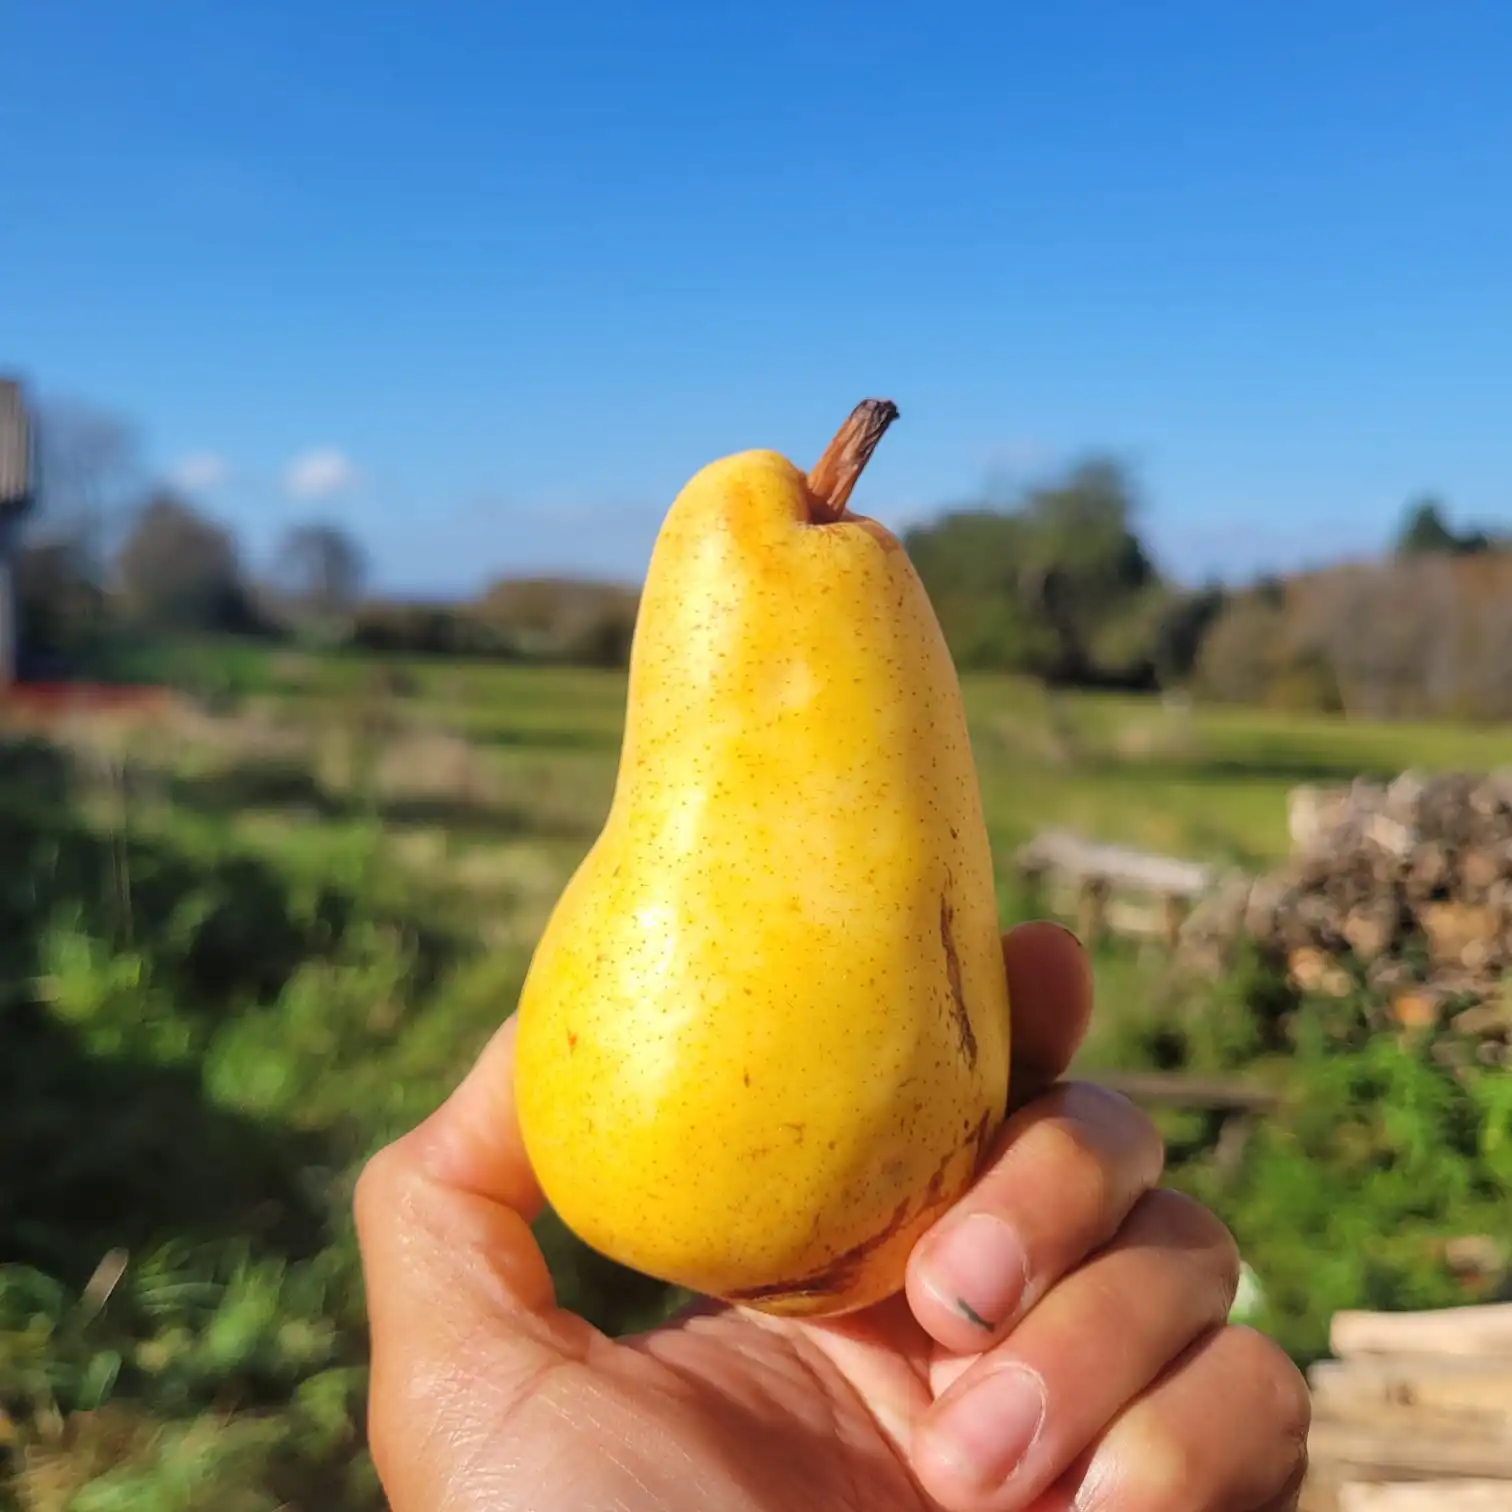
<point>1404,887</point>
<point>1413,1413</point>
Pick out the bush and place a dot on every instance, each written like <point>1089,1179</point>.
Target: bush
<point>427,630</point>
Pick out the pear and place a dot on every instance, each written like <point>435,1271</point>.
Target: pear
<point>763,1042</point>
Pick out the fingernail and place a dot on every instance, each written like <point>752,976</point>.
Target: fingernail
<point>979,1270</point>
<point>986,1434</point>
<point>1064,928</point>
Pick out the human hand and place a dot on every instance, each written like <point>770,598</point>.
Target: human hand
<point>1061,1342</point>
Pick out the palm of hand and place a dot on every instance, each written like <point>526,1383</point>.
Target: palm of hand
<point>485,1396</point>
<point>735,1411</point>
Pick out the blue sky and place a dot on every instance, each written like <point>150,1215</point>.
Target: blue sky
<point>489,281</point>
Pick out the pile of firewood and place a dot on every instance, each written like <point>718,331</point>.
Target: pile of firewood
<point>1413,1413</point>
<point>1403,887</point>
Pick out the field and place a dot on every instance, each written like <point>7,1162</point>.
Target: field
<point>245,944</point>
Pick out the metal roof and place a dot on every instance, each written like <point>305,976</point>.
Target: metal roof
<point>15,447</point>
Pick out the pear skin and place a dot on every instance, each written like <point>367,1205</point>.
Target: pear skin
<point>763,1042</point>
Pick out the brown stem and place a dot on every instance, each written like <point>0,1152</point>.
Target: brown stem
<point>834,475</point>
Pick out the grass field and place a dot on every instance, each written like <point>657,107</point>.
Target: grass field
<point>242,947</point>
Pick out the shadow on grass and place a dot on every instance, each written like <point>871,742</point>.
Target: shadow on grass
<point>1231,771</point>
<point>105,1151</point>
<point>255,785</point>
<point>551,739</point>
<point>221,929</point>
<point>107,1136</point>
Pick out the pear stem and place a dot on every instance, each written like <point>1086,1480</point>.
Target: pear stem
<point>835,474</point>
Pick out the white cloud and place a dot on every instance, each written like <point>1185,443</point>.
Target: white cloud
<point>319,473</point>
<point>199,471</point>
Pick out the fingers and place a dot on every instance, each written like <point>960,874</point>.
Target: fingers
<point>1225,1430</point>
<point>459,1297</point>
<point>1019,1417</point>
<point>1071,1167</point>
<point>1050,1000</point>
<point>472,1143</point>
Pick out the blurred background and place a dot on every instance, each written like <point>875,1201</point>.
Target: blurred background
<point>351,359</point>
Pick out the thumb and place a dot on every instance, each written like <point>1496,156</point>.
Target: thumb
<point>461,1308</point>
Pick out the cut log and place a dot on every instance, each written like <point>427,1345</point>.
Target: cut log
<point>1174,1089</point>
<point>1351,1453</point>
<point>1483,1330</point>
<point>1452,928</point>
<point>1425,1496</point>
<point>1467,1389</point>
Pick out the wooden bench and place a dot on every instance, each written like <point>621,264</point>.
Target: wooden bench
<point>1111,888</point>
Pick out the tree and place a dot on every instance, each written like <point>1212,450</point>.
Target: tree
<point>1059,584</point>
<point>180,570</point>
<point>1241,653</point>
<point>88,466</point>
<point>563,619</point>
<point>970,560</point>
<point>59,604</point>
<point>1182,625</point>
<point>319,570</point>
<point>1425,532</point>
<point>1085,565</point>
<point>1424,529</point>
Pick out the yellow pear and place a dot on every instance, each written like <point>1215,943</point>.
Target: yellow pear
<point>763,1042</point>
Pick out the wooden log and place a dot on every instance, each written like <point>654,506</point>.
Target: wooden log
<point>1414,1420</point>
<point>1479,1330</point>
<point>1174,908</point>
<point>1467,1389</point>
<point>1233,1140</point>
<point>1318,1496</point>
<point>1349,1452</point>
<point>1091,909</point>
<point>1173,1089</point>
<point>1117,865</point>
<point>1425,1496</point>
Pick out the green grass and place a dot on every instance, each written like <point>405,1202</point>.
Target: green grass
<point>236,960</point>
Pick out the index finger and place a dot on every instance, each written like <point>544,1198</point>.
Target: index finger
<point>472,1142</point>
<point>1050,1000</point>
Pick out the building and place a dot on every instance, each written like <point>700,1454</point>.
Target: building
<point>17,477</point>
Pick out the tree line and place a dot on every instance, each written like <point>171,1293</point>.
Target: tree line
<point>112,552</point>
<point>1053,581</point>
<point>1057,584</point>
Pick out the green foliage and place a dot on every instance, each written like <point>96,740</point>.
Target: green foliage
<point>1426,532</point>
<point>1346,1200</point>
<point>204,1034</point>
<point>1381,1149</point>
<point>428,630</point>
<point>1057,585</point>
<point>228,973</point>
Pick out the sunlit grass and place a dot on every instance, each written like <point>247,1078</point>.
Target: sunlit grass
<point>240,950</point>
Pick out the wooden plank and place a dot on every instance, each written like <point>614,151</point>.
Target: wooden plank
<point>1478,1330</point>
<point>1318,1496</point>
<point>1424,1420</point>
<point>1173,1089</point>
<point>1361,1387</point>
<point>1074,857</point>
<point>1425,1496</point>
<point>1349,1452</point>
